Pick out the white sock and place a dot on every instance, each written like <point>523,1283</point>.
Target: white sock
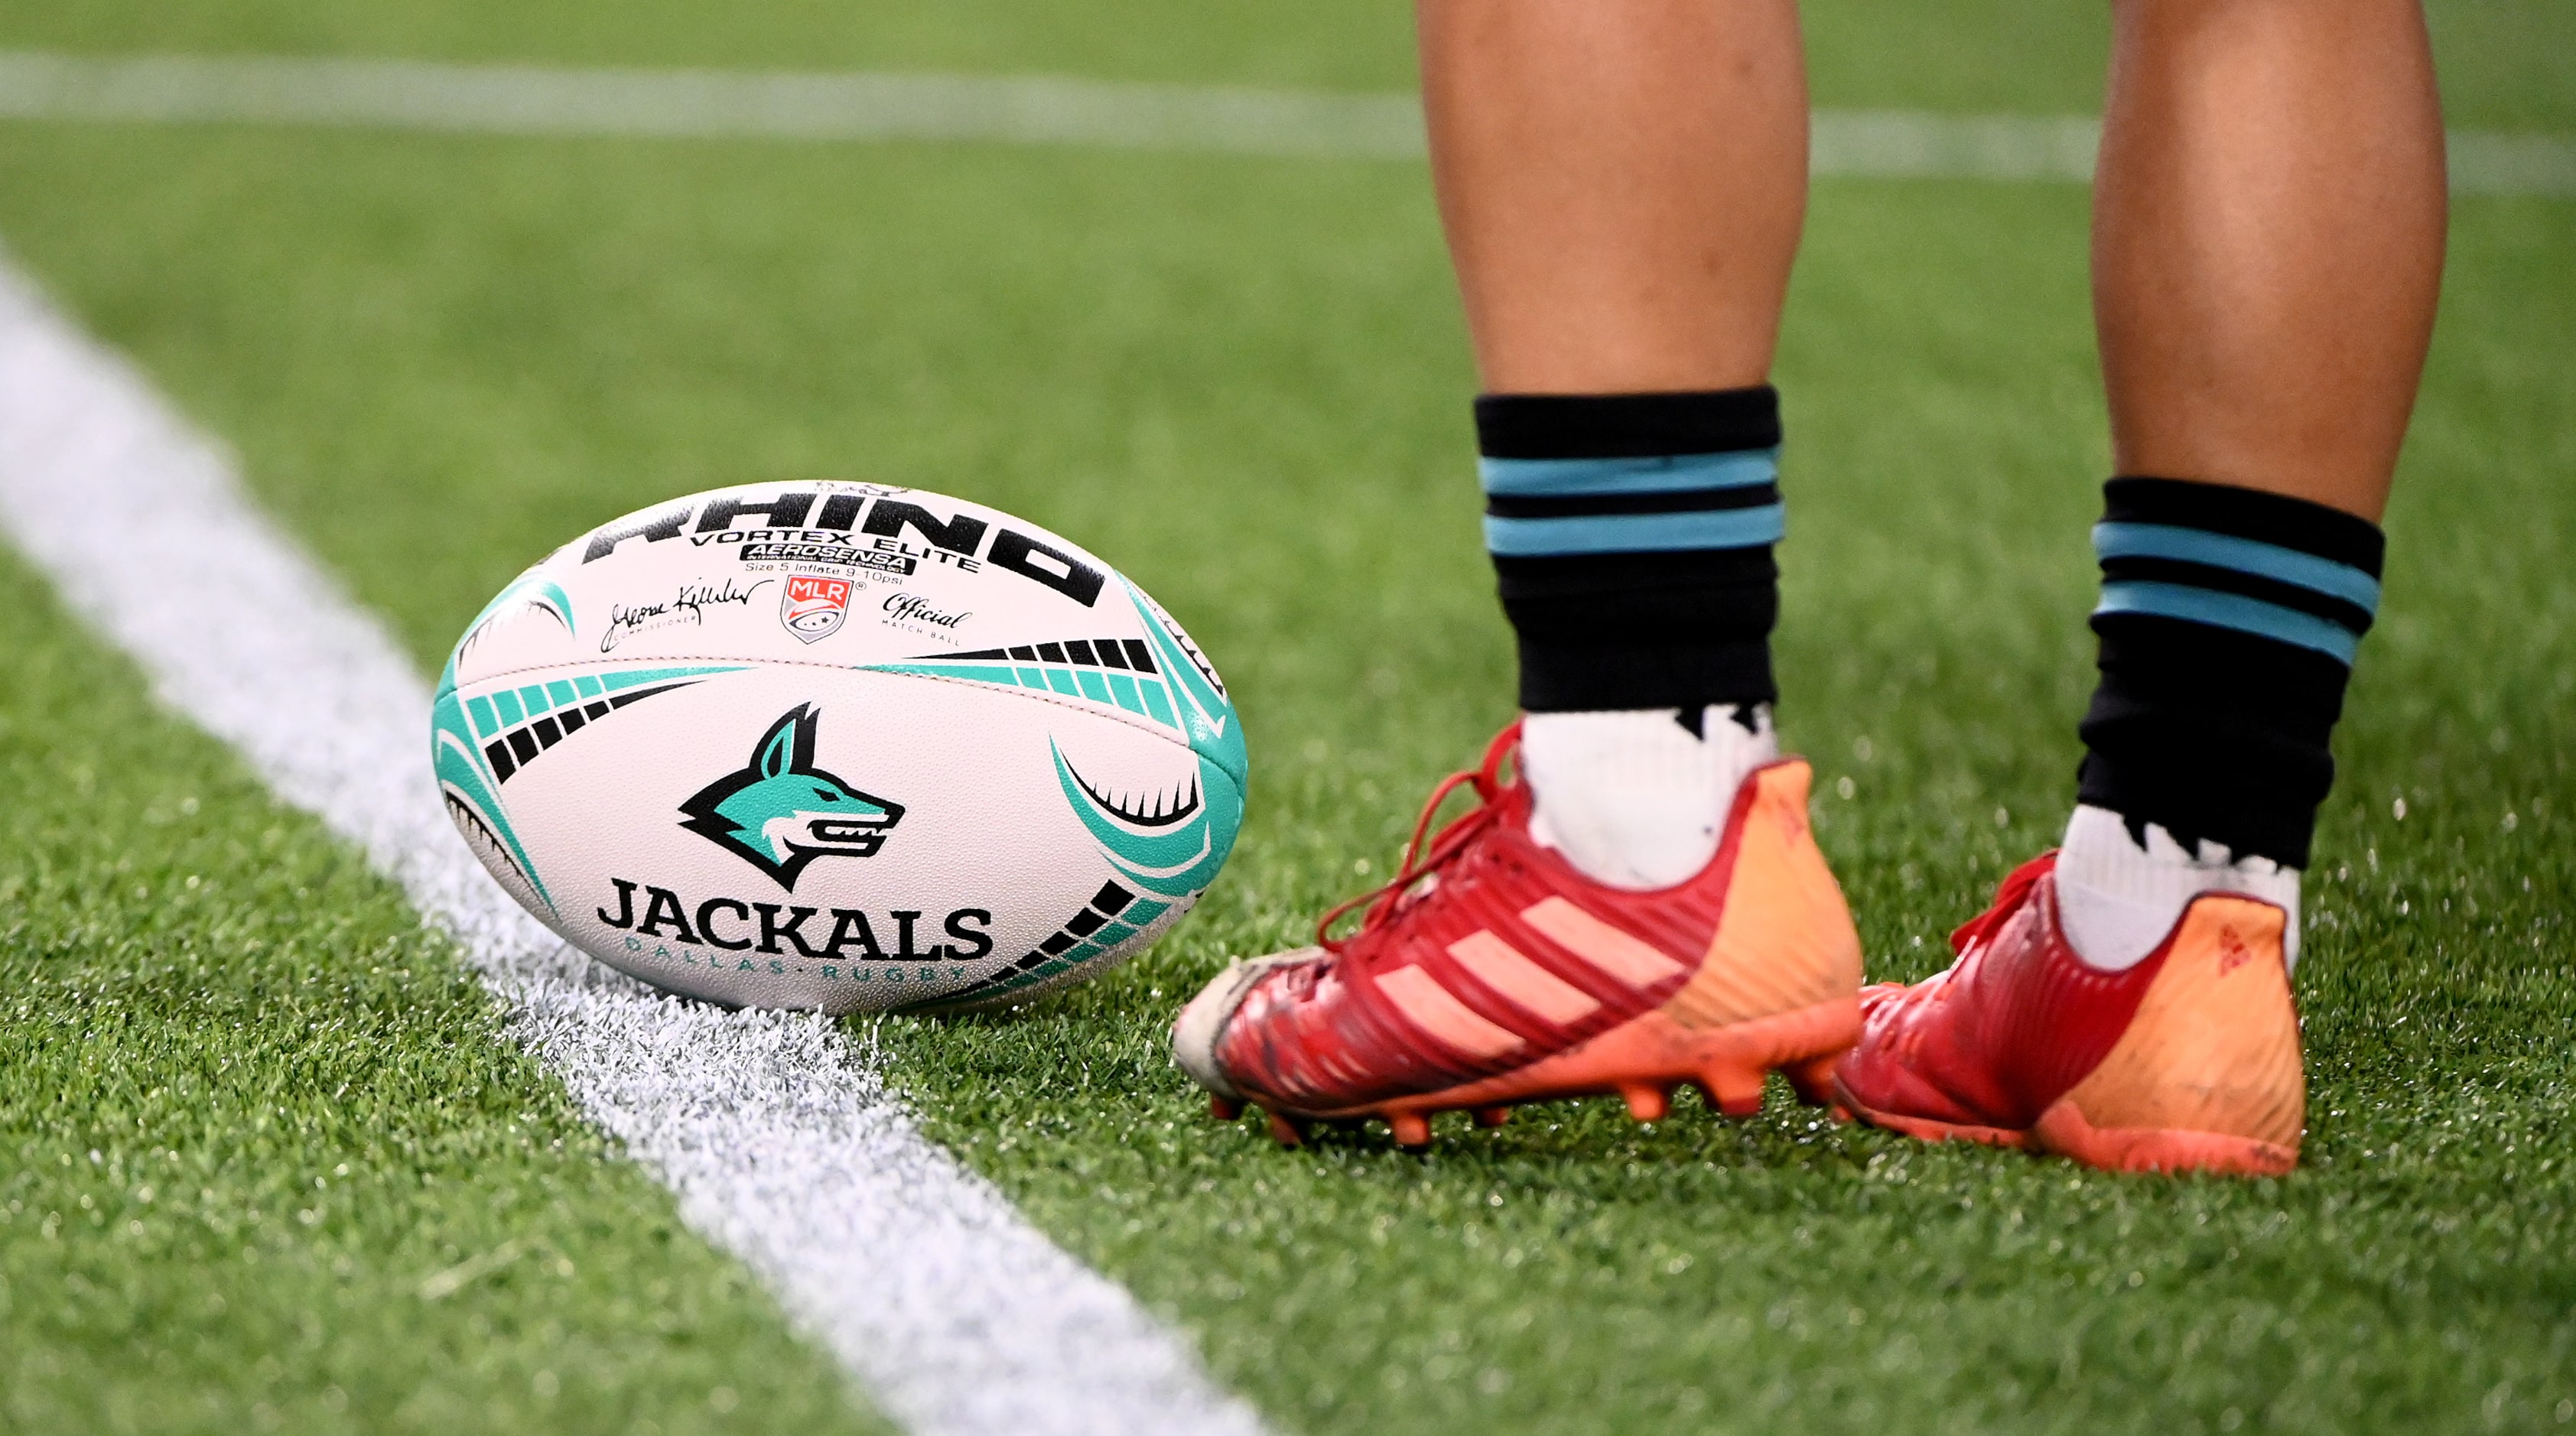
<point>2117,902</point>
<point>1633,798</point>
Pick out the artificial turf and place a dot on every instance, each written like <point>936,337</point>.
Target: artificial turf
<point>1242,380</point>
<point>266,1161</point>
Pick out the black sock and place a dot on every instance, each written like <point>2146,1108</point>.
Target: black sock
<point>2229,619</point>
<point>1631,535</point>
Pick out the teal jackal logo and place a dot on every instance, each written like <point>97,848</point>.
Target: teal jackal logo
<point>781,812</point>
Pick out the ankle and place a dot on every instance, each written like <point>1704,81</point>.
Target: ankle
<point>1638,798</point>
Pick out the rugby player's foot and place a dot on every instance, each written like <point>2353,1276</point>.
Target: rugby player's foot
<point>1491,972</point>
<point>2187,1060</point>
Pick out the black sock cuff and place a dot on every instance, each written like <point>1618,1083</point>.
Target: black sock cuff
<point>2211,734</point>
<point>2224,663</point>
<point>1623,426</point>
<point>1597,677</point>
<point>1643,630</point>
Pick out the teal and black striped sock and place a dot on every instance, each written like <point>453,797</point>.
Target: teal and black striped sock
<point>2228,624</point>
<point>1631,536</point>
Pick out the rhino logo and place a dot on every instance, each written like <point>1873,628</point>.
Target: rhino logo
<point>781,812</point>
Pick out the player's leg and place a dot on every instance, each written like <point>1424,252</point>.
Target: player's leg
<point>1622,186</point>
<point>2267,248</point>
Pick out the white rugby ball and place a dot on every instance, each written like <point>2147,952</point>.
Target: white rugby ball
<point>839,746</point>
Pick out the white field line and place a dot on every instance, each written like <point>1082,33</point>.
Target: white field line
<point>526,100</point>
<point>778,1135</point>
<point>407,95</point>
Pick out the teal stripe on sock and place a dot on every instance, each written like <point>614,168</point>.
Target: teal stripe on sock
<point>2229,610</point>
<point>1635,533</point>
<point>2242,555</point>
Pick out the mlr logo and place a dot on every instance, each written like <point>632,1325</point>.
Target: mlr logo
<point>814,607</point>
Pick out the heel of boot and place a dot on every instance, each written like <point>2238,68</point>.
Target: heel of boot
<point>2208,1076</point>
<point>1785,941</point>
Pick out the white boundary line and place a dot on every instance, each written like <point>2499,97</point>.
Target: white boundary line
<point>778,1135</point>
<point>410,95</point>
<point>528,100</point>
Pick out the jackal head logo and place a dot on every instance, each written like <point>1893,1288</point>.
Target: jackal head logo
<point>780,812</point>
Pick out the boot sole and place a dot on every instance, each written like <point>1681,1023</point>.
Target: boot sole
<point>1643,1061</point>
<point>2064,1131</point>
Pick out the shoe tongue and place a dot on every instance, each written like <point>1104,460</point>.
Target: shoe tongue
<point>2010,895</point>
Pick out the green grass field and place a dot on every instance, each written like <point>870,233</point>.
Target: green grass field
<point>265,1162</point>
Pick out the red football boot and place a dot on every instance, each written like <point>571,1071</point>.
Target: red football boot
<point>2188,1061</point>
<point>1490,972</point>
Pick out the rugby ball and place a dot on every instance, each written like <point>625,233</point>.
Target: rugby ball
<point>839,746</point>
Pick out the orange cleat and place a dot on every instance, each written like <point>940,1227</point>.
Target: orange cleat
<point>1490,972</point>
<point>2188,1061</point>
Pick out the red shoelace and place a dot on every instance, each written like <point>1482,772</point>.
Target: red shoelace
<point>1421,861</point>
